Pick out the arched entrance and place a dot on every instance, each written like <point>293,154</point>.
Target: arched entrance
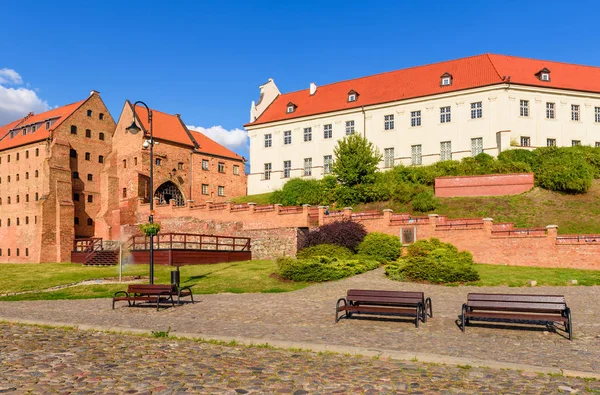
<point>167,192</point>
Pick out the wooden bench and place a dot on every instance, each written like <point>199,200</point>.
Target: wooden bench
<point>509,307</point>
<point>400,303</point>
<point>152,293</point>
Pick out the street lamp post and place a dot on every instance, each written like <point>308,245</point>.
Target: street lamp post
<point>134,128</point>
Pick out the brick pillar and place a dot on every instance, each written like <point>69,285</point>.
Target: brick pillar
<point>552,231</point>
<point>277,207</point>
<point>208,205</point>
<point>306,213</point>
<point>347,212</point>
<point>488,224</point>
<point>189,203</point>
<point>387,215</point>
<point>252,205</point>
<point>228,206</point>
<point>156,201</point>
<point>321,215</point>
<point>433,221</point>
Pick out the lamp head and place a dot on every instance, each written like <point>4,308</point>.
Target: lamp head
<point>134,128</point>
<point>146,144</point>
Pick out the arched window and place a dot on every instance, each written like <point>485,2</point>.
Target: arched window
<point>17,176</point>
<point>36,174</point>
<point>169,191</point>
<point>26,154</point>
<point>101,135</point>
<point>36,196</point>
<point>73,131</point>
<point>26,197</point>
<point>27,175</point>
<point>37,152</point>
<point>26,220</point>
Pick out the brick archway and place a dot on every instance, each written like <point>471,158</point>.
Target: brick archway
<point>167,192</point>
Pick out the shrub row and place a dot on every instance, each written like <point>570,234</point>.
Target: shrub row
<point>323,268</point>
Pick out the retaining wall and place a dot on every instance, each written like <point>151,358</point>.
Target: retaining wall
<point>488,185</point>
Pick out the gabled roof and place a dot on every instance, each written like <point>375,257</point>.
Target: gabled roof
<point>164,126</point>
<point>471,72</point>
<point>60,114</point>
<point>212,147</point>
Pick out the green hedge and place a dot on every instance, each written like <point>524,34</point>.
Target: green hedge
<point>434,262</point>
<point>323,268</point>
<point>384,247</point>
<point>327,250</point>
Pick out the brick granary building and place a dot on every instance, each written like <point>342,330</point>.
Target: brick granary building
<point>72,172</point>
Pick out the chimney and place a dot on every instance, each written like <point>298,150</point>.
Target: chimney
<point>178,115</point>
<point>313,88</point>
<point>94,92</point>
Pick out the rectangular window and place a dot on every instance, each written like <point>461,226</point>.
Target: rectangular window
<point>525,141</point>
<point>124,193</point>
<point>180,166</point>
<point>221,167</point>
<point>307,167</point>
<point>236,170</point>
<point>124,163</point>
<point>267,174</point>
<point>476,146</point>
<point>100,159</point>
<point>205,189</point>
<point>90,177</point>
<point>476,110</point>
<point>75,174</point>
<point>416,158</point>
<point>445,114</point>
<point>574,112</point>
<point>597,144</point>
<point>550,142</point>
<point>328,131</point>
<point>307,134</point>
<point>575,143</point>
<point>388,157</point>
<point>550,111</point>
<point>287,168</point>
<point>415,118</point>
<point>101,116</point>
<point>88,156</point>
<point>268,140</point>
<point>135,161</point>
<point>88,133</point>
<point>597,114</point>
<point>221,190</point>
<point>158,161</point>
<point>524,108</point>
<point>287,137</point>
<point>327,163</point>
<point>90,199</point>
<point>388,122</point>
<point>446,150</point>
<point>204,164</point>
<point>349,128</point>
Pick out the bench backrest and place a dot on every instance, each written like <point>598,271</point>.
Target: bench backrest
<point>365,296</point>
<point>518,303</point>
<point>149,288</point>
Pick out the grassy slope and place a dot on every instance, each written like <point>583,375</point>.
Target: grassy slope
<point>237,277</point>
<point>537,208</point>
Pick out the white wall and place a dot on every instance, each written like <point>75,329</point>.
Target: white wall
<point>501,113</point>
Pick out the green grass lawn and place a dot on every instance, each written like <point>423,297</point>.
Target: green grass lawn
<point>518,276</point>
<point>236,277</point>
<point>260,199</point>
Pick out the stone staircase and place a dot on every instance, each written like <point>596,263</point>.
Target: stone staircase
<point>95,252</point>
<point>102,258</point>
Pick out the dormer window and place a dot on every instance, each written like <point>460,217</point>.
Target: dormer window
<point>446,79</point>
<point>543,75</point>
<point>352,96</point>
<point>291,107</point>
<point>47,124</point>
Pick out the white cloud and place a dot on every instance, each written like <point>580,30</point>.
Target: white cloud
<point>17,102</point>
<point>9,76</point>
<point>232,139</point>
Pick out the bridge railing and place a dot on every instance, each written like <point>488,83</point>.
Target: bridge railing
<point>187,241</point>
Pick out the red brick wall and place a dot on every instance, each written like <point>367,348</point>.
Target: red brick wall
<point>488,185</point>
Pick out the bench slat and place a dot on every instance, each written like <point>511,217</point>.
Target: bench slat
<point>516,298</point>
<point>374,309</point>
<point>521,317</point>
<point>384,300</point>
<point>375,292</point>
<point>516,306</point>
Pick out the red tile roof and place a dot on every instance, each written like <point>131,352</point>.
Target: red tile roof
<point>62,113</point>
<point>471,72</point>
<point>212,147</point>
<point>171,128</point>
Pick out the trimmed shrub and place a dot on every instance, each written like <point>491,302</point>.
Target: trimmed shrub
<point>323,268</point>
<point>297,192</point>
<point>345,233</point>
<point>557,174</point>
<point>424,202</point>
<point>434,262</point>
<point>381,245</point>
<point>517,155</point>
<point>327,250</point>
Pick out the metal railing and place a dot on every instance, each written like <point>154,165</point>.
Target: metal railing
<point>578,239</point>
<point>290,210</point>
<point>89,244</point>
<point>403,219</point>
<point>259,209</point>
<point>240,207</point>
<point>373,214</point>
<point>186,241</point>
<point>520,232</point>
<point>217,206</point>
<point>459,225</point>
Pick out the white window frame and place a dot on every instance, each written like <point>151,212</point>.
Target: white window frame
<point>267,171</point>
<point>290,109</point>
<point>307,134</point>
<point>328,131</point>
<point>445,114</point>
<point>236,170</point>
<point>287,168</point>
<point>550,142</point>
<point>597,144</point>
<point>545,77</point>
<point>575,143</point>
<point>575,112</point>
<point>205,162</point>
<point>349,128</point>
<point>416,154</point>
<point>388,157</point>
<point>525,141</point>
<point>221,190</point>
<point>415,118</point>
<point>388,122</point>
<point>205,189</point>
<point>476,110</point>
<point>351,97</point>
<point>268,140</point>
<point>550,110</point>
<point>597,114</point>
<point>307,167</point>
<point>287,137</point>
<point>446,81</point>
<point>524,108</point>
<point>476,146</point>
<point>327,164</point>
<point>445,150</point>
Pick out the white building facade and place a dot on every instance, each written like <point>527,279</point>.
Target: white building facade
<point>295,134</point>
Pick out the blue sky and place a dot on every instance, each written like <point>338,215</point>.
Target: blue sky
<point>205,60</point>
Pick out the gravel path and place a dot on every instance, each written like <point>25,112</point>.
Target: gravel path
<point>37,360</point>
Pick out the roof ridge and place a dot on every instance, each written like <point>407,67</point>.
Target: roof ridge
<point>546,60</point>
<point>214,141</point>
<point>493,65</point>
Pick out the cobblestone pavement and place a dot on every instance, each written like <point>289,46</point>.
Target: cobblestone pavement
<point>42,360</point>
<point>307,315</point>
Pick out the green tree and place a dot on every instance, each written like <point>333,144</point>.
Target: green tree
<point>356,160</point>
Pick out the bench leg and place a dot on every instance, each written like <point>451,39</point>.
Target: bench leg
<point>337,309</point>
<point>463,319</point>
<point>429,305</point>
<point>419,314</point>
<point>569,323</point>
